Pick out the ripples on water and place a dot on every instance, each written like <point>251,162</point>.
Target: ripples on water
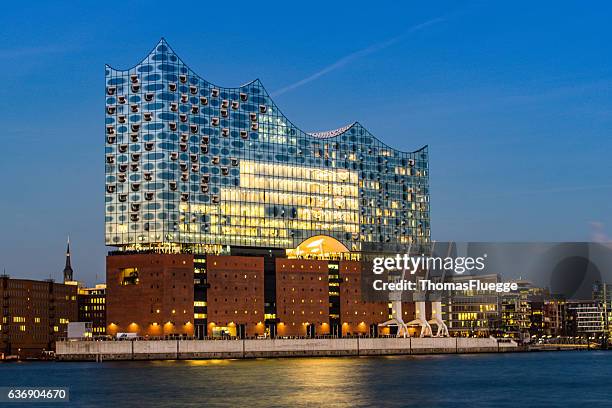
<point>496,380</point>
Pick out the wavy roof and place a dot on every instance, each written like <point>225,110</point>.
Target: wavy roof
<point>331,133</point>
<point>328,134</point>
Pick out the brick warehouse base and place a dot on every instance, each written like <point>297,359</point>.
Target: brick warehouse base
<point>152,294</point>
<point>224,349</point>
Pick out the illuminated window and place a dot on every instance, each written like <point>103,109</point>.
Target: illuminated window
<point>129,276</point>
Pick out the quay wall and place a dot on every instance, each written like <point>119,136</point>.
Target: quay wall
<point>88,350</point>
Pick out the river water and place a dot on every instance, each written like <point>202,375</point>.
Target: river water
<point>544,379</point>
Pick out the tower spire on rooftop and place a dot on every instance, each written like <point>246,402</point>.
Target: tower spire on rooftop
<point>68,268</point>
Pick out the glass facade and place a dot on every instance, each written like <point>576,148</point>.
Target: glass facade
<point>198,167</point>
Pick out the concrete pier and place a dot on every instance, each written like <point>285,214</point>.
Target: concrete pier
<point>88,350</point>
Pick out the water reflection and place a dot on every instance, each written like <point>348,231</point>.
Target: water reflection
<point>528,379</point>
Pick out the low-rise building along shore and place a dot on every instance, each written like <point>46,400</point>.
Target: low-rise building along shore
<point>92,307</point>
<point>34,315</point>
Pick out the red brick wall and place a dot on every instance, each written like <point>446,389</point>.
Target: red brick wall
<point>236,292</point>
<point>356,315</point>
<point>302,296</point>
<point>161,303</point>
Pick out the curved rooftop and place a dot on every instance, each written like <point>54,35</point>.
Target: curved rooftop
<point>326,134</point>
<point>331,133</point>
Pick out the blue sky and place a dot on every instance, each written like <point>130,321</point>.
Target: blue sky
<point>514,101</point>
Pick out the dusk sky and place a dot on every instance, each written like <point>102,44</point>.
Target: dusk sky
<point>514,102</point>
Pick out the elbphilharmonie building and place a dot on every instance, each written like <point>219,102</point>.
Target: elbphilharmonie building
<point>197,166</point>
<point>196,172</point>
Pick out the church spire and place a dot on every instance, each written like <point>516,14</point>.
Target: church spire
<point>68,267</point>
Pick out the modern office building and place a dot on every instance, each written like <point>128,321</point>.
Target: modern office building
<point>556,320</point>
<point>225,217</point>
<point>537,324</point>
<point>472,312</point>
<point>588,316</point>
<point>92,308</point>
<point>522,311</point>
<point>602,292</point>
<point>516,311</point>
<point>34,315</point>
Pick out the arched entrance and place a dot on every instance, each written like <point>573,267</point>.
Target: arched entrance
<point>317,247</point>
